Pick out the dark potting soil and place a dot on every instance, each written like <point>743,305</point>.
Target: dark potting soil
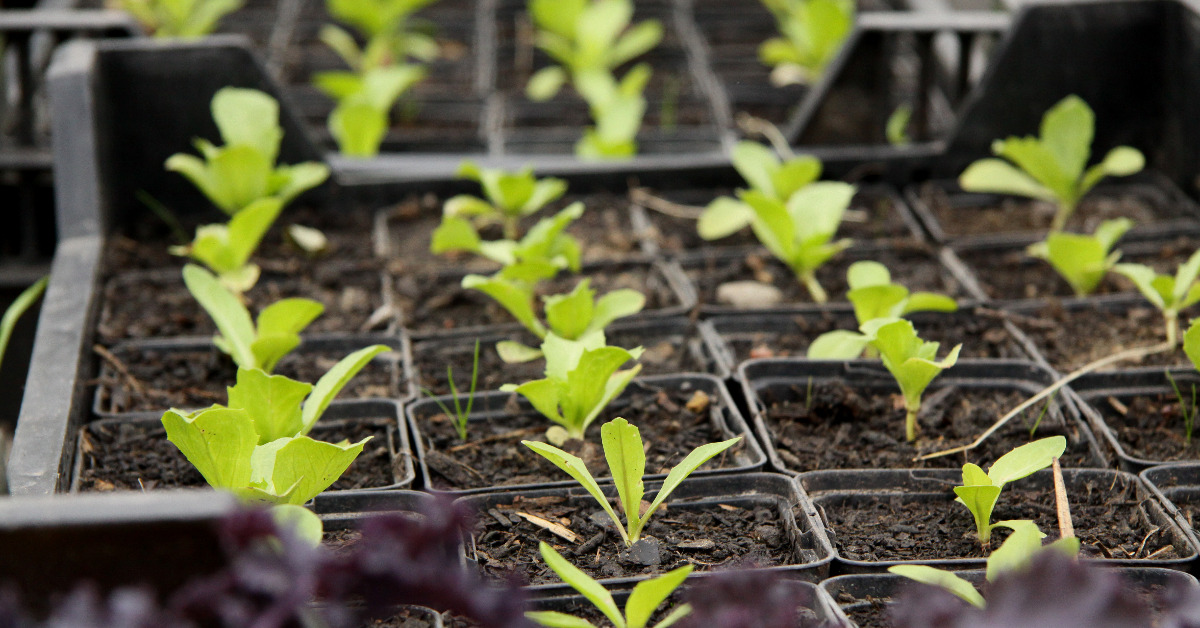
<point>1072,338</point>
<point>914,267</point>
<point>912,528</point>
<point>708,535</point>
<point>135,379</point>
<point>981,335</point>
<point>1151,427</point>
<point>866,613</point>
<point>157,305</point>
<point>861,427</point>
<point>406,618</point>
<point>872,215</point>
<point>962,217</point>
<point>136,455</point>
<point>432,302</point>
<point>493,454</point>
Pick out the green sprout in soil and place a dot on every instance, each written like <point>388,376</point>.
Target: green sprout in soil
<point>980,491</point>
<point>813,32</point>
<point>226,248</point>
<point>765,174</point>
<point>1083,260</point>
<point>545,244</point>
<point>643,601</point>
<point>896,129</point>
<point>24,301</point>
<point>576,315</point>
<point>179,19</point>
<point>874,296</point>
<point>359,123</point>
<point>461,412</point>
<point>1170,294</point>
<point>910,360</point>
<point>387,28</point>
<point>1052,167</point>
<point>627,463</point>
<point>510,196</point>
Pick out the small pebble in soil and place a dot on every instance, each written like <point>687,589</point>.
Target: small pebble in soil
<point>748,294</point>
<point>646,552</point>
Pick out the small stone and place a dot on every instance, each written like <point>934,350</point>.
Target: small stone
<point>646,551</point>
<point>601,519</point>
<point>696,544</point>
<point>771,535</point>
<point>748,294</point>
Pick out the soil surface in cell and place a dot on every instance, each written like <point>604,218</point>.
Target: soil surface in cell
<point>1152,427</point>
<point>672,423</point>
<point>1072,338</point>
<point>866,613</point>
<point>710,536</point>
<point>982,335</point>
<point>137,380</point>
<point>912,267</point>
<point>136,455</point>
<point>835,426</point>
<point>1143,204</point>
<point>1105,513</point>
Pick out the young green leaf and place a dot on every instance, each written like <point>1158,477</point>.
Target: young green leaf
<point>910,360</point>
<point>812,34</point>
<point>1191,343</point>
<point>510,196</point>
<point>17,308</point>
<point>334,380</point>
<point>359,122</point>
<point>1083,260</point>
<point>940,578</point>
<point>980,491</point>
<point>179,19</point>
<point>1169,294</point>
<point>514,296</point>
<point>1051,167</point>
<point>765,173</point>
<point>226,249</point>
<point>217,441</point>
<point>301,465</point>
<point>273,400</point>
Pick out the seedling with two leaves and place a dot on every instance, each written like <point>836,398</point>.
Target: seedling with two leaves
<point>766,174</point>
<point>617,107</point>
<point>576,315</point>
<point>179,19</point>
<point>257,446</point>
<point>627,463</point>
<point>1170,294</point>
<point>385,25</point>
<point>874,296</point>
<point>1052,167</point>
<point>1015,553</point>
<point>910,360</point>
<point>1083,260</point>
<point>582,377</point>
<point>980,491</point>
<point>546,245</point>
<point>813,32</point>
<point>510,196</point>
<point>226,248</point>
<point>645,598</point>
<point>359,123</point>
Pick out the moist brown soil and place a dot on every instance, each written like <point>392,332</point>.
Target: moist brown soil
<point>981,335</point>
<point>912,266</point>
<point>1072,338</point>
<point>494,456</point>
<point>136,455</point>
<point>143,379</point>
<point>1151,427</point>
<point>407,618</point>
<point>860,427</point>
<point>911,528</point>
<point>1143,204</point>
<point>663,354</point>
<point>872,215</point>
<point>866,613</point>
<point>708,535</point>
<point>156,305</point>
<point>431,302</point>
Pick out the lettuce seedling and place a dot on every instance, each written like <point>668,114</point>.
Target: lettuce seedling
<point>546,241</point>
<point>575,316</point>
<point>19,306</point>
<point>874,296</point>
<point>226,248</point>
<point>243,170</point>
<point>910,360</point>
<point>385,26</point>
<point>1051,167</point>
<point>1083,260</point>
<point>179,19</point>
<point>511,196</point>
<point>252,345</point>
<point>812,34</point>
<point>617,108</point>
<point>645,598</point>
<point>1170,295</point>
<point>1014,554</point>
<point>582,377</point>
<point>359,122</point>
<point>765,173</point>
<point>980,490</point>
<point>800,232</point>
<point>627,462</point>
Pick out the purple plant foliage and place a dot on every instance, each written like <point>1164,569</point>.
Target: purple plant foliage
<point>749,598</point>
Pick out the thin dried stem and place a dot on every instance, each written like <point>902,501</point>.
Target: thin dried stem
<point>1066,529</point>
<point>757,126</point>
<point>661,205</point>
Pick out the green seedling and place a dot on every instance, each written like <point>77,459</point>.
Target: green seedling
<point>510,196</point>
<point>1015,553</point>
<point>766,174</point>
<point>645,598</point>
<point>252,344</point>
<point>359,122</point>
<point>226,248</point>
<point>546,242</point>
<point>980,490</point>
<point>874,296</point>
<point>910,360</point>
<point>20,305</point>
<point>575,316</point>
<point>1051,167</point>
<point>1191,346</point>
<point>385,25</point>
<point>896,129</point>
<point>813,32</point>
<point>1170,295</point>
<point>627,463</point>
<point>617,108</point>
<point>243,170</point>
<point>1083,260</point>
<point>586,36</point>
<point>461,413</point>
<point>800,232</point>
<point>582,377</point>
<point>179,19</point>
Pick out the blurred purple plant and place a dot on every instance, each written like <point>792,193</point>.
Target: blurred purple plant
<point>751,598</point>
